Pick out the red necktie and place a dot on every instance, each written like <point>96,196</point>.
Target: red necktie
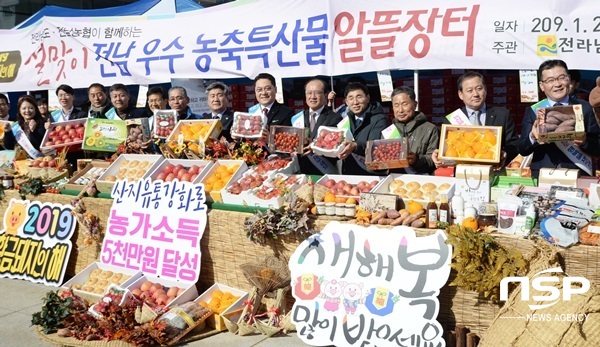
<point>265,111</point>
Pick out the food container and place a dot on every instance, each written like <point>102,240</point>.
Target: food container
<point>417,187</point>
<point>164,123</point>
<point>196,130</point>
<point>470,144</point>
<point>287,139</point>
<point>342,186</point>
<point>486,219</point>
<point>340,209</point>
<point>190,292</point>
<point>128,162</point>
<point>104,135</point>
<point>329,141</point>
<point>519,167</point>
<point>386,154</point>
<point>94,169</point>
<point>194,167</point>
<point>330,208</point>
<point>350,210</point>
<point>62,134</point>
<point>561,123</point>
<point>320,207</point>
<point>214,194</point>
<point>248,125</point>
<point>233,312</point>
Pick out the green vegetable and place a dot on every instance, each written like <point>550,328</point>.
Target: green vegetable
<point>54,311</point>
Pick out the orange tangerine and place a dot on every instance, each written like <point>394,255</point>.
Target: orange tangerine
<point>489,137</point>
<point>451,152</point>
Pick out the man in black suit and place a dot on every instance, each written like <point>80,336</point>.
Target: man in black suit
<point>67,111</point>
<point>265,90</point>
<point>315,116</point>
<point>367,121</point>
<point>217,94</point>
<point>554,82</point>
<point>472,91</point>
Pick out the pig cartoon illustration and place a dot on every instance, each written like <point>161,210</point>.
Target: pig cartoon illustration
<point>353,295</point>
<point>332,292</point>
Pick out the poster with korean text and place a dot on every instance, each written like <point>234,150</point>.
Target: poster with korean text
<point>35,241</point>
<point>369,286</point>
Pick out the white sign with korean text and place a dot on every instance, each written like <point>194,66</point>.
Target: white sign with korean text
<point>369,286</point>
<point>300,38</point>
<point>156,227</point>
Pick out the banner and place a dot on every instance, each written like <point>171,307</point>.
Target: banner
<point>299,38</point>
<point>356,286</point>
<point>155,227</point>
<point>35,243</point>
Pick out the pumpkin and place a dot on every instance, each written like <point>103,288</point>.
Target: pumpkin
<point>470,222</point>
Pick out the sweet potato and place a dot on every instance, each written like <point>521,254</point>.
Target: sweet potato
<point>413,217</point>
<point>397,221</point>
<point>392,214</point>
<point>568,125</point>
<point>384,221</point>
<point>418,224</point>
<point>378,216</point>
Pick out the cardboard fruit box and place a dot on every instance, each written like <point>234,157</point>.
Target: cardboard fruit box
<point>52,142</point>
<point>287,139</point>
<point>204,167</point>
<point>248,125</point>
<point>189,294</point>
<point>561,123</point>
<point>386,154</point>
<point>100,272</point>
<point>417,187</point>
<point>233,312</point>
<point>214,195</point>
<point>520,166</point>
<point>90,171</point>
<point>106,182</point>
<point>196,130</point>
<point>104,135</point>
<point>470,144</point>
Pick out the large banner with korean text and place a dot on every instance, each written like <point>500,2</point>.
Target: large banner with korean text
<point>155,227</point>
<point>357,286</point>
<point>291,38</point>
<point>35,241</point>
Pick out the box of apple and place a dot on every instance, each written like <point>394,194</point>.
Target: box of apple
<point>181,169</point>
<point>160,293</point>
<point>61,134</point>
<point>329,141</point>
<point>349,186</point>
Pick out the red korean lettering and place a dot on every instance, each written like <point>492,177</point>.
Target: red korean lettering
<point>412,46</point>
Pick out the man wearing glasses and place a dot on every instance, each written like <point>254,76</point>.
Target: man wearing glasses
<point>317,114</point>
<point>554,82</point>
<point>265,91</point>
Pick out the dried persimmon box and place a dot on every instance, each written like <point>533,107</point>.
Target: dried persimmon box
<point>560,123</point>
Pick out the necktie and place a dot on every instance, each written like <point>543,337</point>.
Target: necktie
<point>476,120</point>
<point>357,123</point>
<point>265,111</point>
<point>312,119</point>
<point>216,117</point>
<point>558,104</point>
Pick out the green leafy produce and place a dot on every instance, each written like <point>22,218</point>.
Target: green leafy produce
<point>274,222</point>
<point>54,311</point>
<point>481,262</point>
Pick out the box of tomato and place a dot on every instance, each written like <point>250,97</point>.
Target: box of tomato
<point>386,154</point>
<point>287,139</point>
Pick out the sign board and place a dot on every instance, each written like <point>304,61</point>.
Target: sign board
<point>104,135</point>
<point>35,242</point>
<point>357,286</point>
<point>155,227</point>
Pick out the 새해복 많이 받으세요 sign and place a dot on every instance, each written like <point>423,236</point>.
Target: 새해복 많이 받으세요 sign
<point>35,242</point>
<point>356,285</point>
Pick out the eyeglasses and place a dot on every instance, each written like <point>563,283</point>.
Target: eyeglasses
<point>314,92</point>
<point>478,89</point>
<point>359,98</point>
<point>552,80</point>
<point>265,89</point>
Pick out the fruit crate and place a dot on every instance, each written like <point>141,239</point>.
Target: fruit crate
<point>187,129</point>
<point>273,165</point>
<point>134,162</point>
<point>386,154</point>
<point>561,123</point>
<point>287,139</point>
<point>233,312</point>
<point>202,165</point>
<point>164,123</point>
<point>361,183</point>
<point>329,141</point>
<point>248,125</point>
<point>189,289</point>
<point>470,144</point>
<point>253,197</point>
<point>214,195</point>
<point>237,192</point>
<point>417,187</point>
<point>50,142</point>
<point>81,177</point>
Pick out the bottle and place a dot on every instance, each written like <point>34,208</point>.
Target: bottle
<point>431,218</point>
<point>470,210</point>
<point>444,210</point>
<point>458,207</point>
<point>529,218</point>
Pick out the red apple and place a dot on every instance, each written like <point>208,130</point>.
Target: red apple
<point>65,138</point>
<point>58,142</point>
<point>186,177</point>
<point>80,130</point>
<point>168,168</point>
<point>71,132</point>
<point>68,127</point>
<point>44,164</point>
<point>59,128</point>
<point>49,143</point>
<point>161,176</point>
<point>170,177</point>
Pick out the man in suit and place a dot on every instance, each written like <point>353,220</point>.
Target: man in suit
<point>315,116</point>
<point>178,101</point>
<point>367,121</point>
<point>217,94</point>
<point>122,106</point>
<point>67,111</point>
<point>472,91</point>
<point>98,103</point>
<point>265,90</point>
<point>554,82</point>
<point>4,108</point>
